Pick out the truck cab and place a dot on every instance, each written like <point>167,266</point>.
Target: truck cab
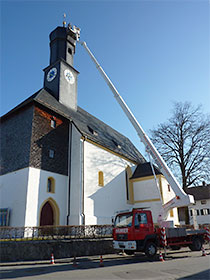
<point>134,232</point>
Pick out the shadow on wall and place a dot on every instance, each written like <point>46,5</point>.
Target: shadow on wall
<point>109,199</point>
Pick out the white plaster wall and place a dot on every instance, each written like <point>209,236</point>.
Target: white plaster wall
<point>168,194</point>
<point>201,219</point>
<point>147,190</point>
<point>76,178</point>
<point>13,190</point>
<point>59,196</point>
<point>100,203</point>
<point>25,190</point>
<point>175,218</point>
<point>32,197</point>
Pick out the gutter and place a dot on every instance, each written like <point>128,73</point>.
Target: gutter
<point>82,182</point>
<point>69,174</point>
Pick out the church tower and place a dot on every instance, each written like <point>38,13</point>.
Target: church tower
<point>60,77</point>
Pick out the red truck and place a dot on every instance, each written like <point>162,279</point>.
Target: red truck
<point>134,231</point>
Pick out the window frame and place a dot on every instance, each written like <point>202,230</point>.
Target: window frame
<point>53,123</point>
<point>52,186</point>
<point>101,178</point>
<point>143,219</point>
<point>51,153</point>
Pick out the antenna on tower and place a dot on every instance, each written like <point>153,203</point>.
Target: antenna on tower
<point>64,20</point>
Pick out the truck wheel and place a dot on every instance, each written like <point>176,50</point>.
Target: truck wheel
<point>150,250</point>
<point>196,245</point>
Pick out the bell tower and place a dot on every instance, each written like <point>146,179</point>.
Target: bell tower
<point>60,77</point>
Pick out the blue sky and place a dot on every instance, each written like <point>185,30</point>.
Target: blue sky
<point>155,52</point>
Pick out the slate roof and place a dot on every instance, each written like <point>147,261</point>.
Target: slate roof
<point>202,192</point>
<point>88,125</point>
<point>144,170</point>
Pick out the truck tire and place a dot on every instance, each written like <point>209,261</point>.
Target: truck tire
<point>150,250</point>
<point>196,245</point>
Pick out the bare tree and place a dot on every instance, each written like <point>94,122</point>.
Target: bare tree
<point>184,143</point>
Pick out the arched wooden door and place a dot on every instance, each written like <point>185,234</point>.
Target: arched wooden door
<point>47,215</point>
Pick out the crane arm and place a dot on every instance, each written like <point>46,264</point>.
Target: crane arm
<point>181,198</point>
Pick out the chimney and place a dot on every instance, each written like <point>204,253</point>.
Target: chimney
<point>60,76</point>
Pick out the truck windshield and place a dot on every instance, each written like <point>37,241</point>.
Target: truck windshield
<point>123,220</point>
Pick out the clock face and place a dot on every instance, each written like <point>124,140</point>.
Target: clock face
<point>69,76</point>
<point>51,74</point>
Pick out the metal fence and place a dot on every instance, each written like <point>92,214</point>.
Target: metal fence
<point>55,232</point>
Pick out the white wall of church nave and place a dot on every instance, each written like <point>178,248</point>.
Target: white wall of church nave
<point>13,190</point>
<point>38,193</point>
<point>101,202</point>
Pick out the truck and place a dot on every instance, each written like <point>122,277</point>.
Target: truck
<point>134,231</point>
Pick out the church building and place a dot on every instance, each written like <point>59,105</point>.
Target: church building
<point>62,166</point>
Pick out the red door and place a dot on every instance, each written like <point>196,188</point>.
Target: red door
<point>46,215</point>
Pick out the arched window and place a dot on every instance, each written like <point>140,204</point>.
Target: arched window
<point>50,185</point>
<point>100,178</point>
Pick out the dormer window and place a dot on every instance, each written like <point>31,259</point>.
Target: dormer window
<point>53,123</point>
<point>116,144</point>
<point>92,131</point>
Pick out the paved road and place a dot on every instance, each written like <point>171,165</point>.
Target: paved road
<point>177,265</point>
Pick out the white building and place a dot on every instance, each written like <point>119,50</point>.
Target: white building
<point>201,208</point>
<point>62,166</point>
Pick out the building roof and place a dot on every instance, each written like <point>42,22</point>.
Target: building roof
<point>202,192</point>
<point>144,170</point>
<point>88,125</point>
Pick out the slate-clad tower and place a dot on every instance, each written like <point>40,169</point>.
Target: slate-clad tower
<point>60,76</point>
